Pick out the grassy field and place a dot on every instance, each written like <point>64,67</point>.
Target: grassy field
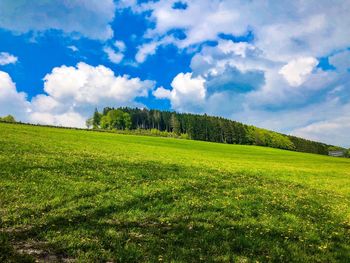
<point>96,197</point>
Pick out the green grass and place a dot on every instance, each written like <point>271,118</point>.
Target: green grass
<point>98,197</point>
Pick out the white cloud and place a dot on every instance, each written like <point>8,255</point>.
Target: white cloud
<point>11,101</point>
<point>44,103</point>
<point>115,53</point>
<point>214,61</point>
<point>6,58</point>
<point>88,84</point>
<point>67,119</point>
<point>283,30</point>
<point>334,131</point>
<point>120,45</point>
<point>187,94</point>
<point>150,48</point>
<point>271,102</point>
<point>72,93</point>
<point>162,93</point>
<point>89,18</point>
<point>113,56</point>
<point>146,50</point>
<point>243,56</point>
<point>288,36</point>
<point>202,20</point>
<point>241,49</point>
<point>297,70</point>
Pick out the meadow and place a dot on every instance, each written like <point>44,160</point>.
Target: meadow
<point>70,195</point>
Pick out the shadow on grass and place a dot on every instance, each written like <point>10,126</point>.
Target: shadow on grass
<point>9,255</point>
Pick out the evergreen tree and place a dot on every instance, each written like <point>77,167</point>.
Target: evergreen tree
<point>96,119</point>
<point>175,124</point>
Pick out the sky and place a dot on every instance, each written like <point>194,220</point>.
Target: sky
<point>281,65</point>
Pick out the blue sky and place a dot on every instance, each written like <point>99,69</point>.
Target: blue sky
<point>282,66</point>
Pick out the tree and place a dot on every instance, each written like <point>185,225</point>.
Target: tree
<point>96,119</point>
<point>155,119</point>
<point>347,154</point>
<point>127,121</point>
<point>175,124</point>
<point>8,118</point>
<point>89,123</point>
<point>116,119</point>
<point>106,110</point>
<point>105,122</point>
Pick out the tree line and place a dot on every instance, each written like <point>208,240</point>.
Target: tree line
<point>199,127</point>
<point>8,118</point>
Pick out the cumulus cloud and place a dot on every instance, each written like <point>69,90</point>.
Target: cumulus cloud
<point>162,93</point>
<point>88,84</point>
<point>89,18</point>
<point>283,30</point>
<point>187,94</point>
<point>241,68</point>
<point>297,70</point>
<point>12,101</point>
<point>244,56</point>
<point>7,58</point>
<point>72,93</point>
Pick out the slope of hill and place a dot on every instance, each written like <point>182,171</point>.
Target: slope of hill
<point>202,128</point>
<point>70,194</point>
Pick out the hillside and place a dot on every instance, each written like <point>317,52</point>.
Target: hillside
<point>71,194</point>
<point>202,128</point>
